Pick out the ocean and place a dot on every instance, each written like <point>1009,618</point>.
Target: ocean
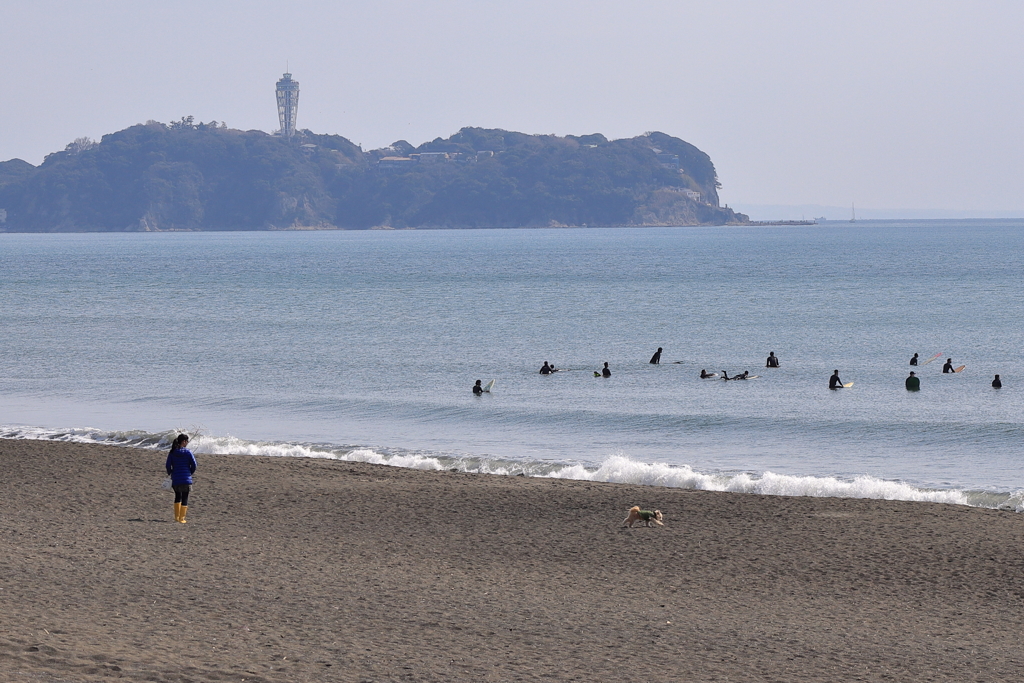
<point>365,345</point>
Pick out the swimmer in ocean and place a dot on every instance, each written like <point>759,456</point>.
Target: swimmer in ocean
<point>913,383</point>
<point>477,389</point>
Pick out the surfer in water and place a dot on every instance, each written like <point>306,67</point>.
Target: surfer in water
<point>606,372</point>
<point>477,389</point>
<point>725,376</point>
<point>834,382</point>
<point>547,369</point>
<point>656,358</point>
<point>948,367</point>
<point>913,361</point>
<point>704,374</point>
<point>913,383</point>
<point>996,384</point>
<point>773,360</point>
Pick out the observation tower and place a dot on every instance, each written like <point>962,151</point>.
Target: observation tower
<point>287,104</point>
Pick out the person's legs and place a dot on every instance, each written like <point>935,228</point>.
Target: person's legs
<point>177,503</point>
<point>181,492</point>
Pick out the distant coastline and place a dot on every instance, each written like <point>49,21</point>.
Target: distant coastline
<point>837,214</point>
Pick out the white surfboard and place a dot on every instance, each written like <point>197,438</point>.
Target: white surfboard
<point>489,386</point>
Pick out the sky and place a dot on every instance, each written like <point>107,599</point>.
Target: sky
<point>912,105</point>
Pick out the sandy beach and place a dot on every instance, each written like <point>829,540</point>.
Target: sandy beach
<point>319,570</point>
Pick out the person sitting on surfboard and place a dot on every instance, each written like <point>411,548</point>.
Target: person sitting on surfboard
<point>704,374</point>
<point>545,369</point>
<point>834,382</point>
<point>913,361</point>
<point>477,389</point>
<point>773,360</point>
<point>606,372</point>
<point>948,367</point>
<point>656,358</point>
<point>996,384</point>
<point>913,383</point>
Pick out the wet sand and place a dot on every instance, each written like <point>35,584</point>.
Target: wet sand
<point>317,570</point>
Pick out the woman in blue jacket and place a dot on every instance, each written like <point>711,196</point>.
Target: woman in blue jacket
<point>181,465</point>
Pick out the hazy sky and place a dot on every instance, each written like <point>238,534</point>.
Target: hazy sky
<point>915,104</point>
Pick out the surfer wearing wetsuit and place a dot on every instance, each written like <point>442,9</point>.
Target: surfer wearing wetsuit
<point>834,382</point>
<point>704,374</point>
<point>913,361</point>
<point>996,384</point>
<point>180,466</point>
<point>477,389</point>
<point>545,369</point>
<point>913,383</point>
<point>745,374</point>
<point>948,367</point>
<point>773,360</point>
<point>656,358</point>
<point>725,376</point>
<point>606,372</point>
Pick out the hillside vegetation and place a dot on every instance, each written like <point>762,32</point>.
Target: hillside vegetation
<point>189,176</point>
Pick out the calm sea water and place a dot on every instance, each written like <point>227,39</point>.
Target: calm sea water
<point>364,345</point>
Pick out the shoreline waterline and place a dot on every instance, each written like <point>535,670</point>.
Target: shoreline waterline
<point>620,469</point>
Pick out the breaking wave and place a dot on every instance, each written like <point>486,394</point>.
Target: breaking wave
<point>614,469</point>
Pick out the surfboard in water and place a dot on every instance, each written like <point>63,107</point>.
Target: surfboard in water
<point>489,386</point>
<point>848,385</point>
<point>959,369</point>
<point>931,359</point>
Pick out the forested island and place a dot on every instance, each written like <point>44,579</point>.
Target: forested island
<point>205,176</point>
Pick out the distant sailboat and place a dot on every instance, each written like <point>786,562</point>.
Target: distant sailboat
<point>853,214</point>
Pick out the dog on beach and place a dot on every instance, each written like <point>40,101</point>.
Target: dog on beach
<point>646,516</point>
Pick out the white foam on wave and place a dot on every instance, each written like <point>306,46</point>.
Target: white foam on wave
<point>222,445</point>
<point>623,470</point>
<point>230,445</point>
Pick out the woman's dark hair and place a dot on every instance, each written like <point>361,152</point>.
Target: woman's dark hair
<point>179,441</point>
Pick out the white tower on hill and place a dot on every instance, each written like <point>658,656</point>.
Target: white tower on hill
<point>287,104</point>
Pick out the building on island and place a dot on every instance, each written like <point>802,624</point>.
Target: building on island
<point>433,157</point>
<point>287,104</point>
<point>395,164</point>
